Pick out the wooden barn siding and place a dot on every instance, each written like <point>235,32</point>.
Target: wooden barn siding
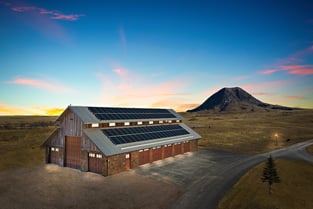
<point>193,145</point>
<point>71,125</point>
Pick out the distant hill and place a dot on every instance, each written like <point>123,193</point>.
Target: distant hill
<point>235,100</point>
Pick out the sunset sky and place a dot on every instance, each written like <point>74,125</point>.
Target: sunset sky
<point>171,54</point>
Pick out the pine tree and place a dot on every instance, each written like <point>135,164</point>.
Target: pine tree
<point>270,174</point>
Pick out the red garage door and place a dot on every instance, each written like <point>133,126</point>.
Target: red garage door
<point>156,153</point>
<point>168,151</point>
<point>54,155</point>
<point>72,152</point>
<point>144,156</point>
<point>187,147</point>
<point>95,163</point>
<point>177,149</point>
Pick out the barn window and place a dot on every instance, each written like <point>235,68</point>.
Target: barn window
<point>99,156</point>
<point>52,148</point>
<point>161,121</point>
<point>150,122</point>
<point>141,150</point>
<point>95,125</point>
<point>126,123</point>
<point>169,121</point>
<point>177,121</point>
<point>56,149</point>
<point>91,154</point>
<point>139,123</point>
<point>127,156</point>
<point>111,124</point>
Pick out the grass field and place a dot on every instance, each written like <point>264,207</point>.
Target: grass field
<point>310,149</point>
<point>20,140</point>
<point>251,132</point>
<point>294,191</point>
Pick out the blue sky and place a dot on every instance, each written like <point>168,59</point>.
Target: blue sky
<point>170,54</point>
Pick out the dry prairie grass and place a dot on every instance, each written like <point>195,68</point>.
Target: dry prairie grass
<point>20,140</point>
<point>251,132</point>
<point>294,191</point>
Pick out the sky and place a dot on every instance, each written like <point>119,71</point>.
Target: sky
<point>164,54</point>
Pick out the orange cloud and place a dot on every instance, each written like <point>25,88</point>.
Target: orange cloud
<point>298,69</point>
<point>40,84</point>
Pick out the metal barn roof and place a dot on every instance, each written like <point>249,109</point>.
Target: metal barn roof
<point>117,140</point>
<point>107,147</point>
<point>115,114</point>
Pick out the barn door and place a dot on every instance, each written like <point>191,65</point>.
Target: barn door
<point>53,155</point>
<point>156,153</point>
<point>167,151</point>
<point>187,146</point>
<point>72,152</point>
<point>95,163</point>
<point>144,156</point>
<point>177,148</point>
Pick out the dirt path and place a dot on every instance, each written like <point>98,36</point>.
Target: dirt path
<point>51,186</point>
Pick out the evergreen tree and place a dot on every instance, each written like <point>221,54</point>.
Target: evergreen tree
<point>270,174</point>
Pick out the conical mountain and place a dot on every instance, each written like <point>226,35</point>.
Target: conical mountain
<point>234,100</point>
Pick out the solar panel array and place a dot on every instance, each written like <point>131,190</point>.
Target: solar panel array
<point>136,134</point>
<point>111,113</point>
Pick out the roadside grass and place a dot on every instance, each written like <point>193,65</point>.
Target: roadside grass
<point>310,149</point>
<point>20,140</point>
<point>253,132</point>
<point>294,191</point>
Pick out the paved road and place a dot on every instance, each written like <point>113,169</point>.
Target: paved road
<point>207,175</point>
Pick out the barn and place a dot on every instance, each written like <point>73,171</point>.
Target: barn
<point>109,140</point>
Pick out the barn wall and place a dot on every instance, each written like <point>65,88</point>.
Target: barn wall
<point>70,125</point>
<point>193,145</point>
<point>116,164</point>
<point>134,157</point>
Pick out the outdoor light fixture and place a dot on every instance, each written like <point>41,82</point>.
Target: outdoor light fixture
<point>276,136</point>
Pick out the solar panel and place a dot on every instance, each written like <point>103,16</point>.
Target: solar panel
<point>111,113</point>
<point>135,134</point>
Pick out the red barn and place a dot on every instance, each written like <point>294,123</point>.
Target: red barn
<point>108,140</point>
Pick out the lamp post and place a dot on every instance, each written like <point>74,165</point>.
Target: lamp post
<point>276,136</point>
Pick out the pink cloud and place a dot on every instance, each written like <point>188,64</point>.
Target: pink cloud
<point>269,71</point>
<point>119,71</point>
<point>131,89</point>
<point>53,14</point>
<point>298,69</point>
<point>40,84</point>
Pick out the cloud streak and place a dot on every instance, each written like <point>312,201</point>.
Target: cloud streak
<point>41,84</point>
<point>298,69</point>
<point>53,14</point>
